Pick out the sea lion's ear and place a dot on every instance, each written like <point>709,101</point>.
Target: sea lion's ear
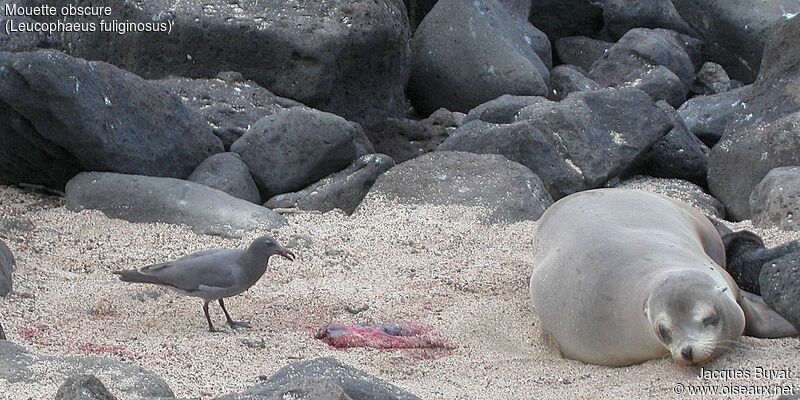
<point>723,289</point>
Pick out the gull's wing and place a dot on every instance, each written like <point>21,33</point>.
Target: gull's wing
<point>206,269</point>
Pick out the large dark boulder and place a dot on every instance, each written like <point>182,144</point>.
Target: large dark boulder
<point>707,117</point>
<point>405,138</point>
<point>780,286</point>
<point>565,79</point>
<point>290,150</point>
<point>711,79</point>
<point>526,143</point>
<point>623,15</point>
<point>343,190</point>
<point>418,9</point>
<point>775,202</point>
<point>735,31</point>
<point>61,115</point>
<point>679,154</point>
<point>228,173</point>
<point>349,57</point>
<point>11,39</point>
<point>657,61</point>
<point>6,268</point>
<point>764,133</point>
<point>355,383</point>
<point>308,388</point>
<point>560,18</point>
<point>148,199</point>
<point>576,144</point>
<point>508,190</point>
<point>83,387</point>
<point>229,103</point>
<point>502,110</point>
<point>580,50</point>
<point>22,367</point>
<point>468,53</point>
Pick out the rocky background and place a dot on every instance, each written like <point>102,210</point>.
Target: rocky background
<point>250,110</point>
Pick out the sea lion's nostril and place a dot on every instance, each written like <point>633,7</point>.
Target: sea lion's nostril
<point>686,353</point>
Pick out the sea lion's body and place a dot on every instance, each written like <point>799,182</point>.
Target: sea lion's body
<point>624,276</point>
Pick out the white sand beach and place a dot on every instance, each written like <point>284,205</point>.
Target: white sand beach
<point>432,265</point>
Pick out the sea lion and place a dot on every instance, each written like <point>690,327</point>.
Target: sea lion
<point>624,276</point>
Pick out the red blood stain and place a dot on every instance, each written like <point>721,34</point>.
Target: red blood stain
<point>34,333</point>
<point>118,350</point>
<point>387,336</point>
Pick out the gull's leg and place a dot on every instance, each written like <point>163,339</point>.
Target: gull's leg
<point>231,322</point>
<point>208,317</point>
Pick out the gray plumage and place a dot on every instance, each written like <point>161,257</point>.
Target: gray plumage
<point>212,274</point>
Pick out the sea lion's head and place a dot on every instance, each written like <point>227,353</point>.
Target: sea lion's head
<point>694,316</point>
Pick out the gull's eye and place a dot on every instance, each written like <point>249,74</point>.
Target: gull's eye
<point>710,320</point>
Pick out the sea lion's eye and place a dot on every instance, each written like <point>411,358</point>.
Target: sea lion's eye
<point>710,320</point>
<point>664,334</point>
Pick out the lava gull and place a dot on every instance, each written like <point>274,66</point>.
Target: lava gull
<point>212,274</point>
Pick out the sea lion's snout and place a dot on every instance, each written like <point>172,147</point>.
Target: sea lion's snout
<point>696,351</point>
<point>686,353</point>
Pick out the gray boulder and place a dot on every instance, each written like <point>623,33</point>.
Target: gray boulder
<point>343,190</point>
<point>148,199</point>
<point>580,50</point>
<point>711,79</point>
<point>565,79</point>
<point>348,57</point>
<point>679,154</point>
<point>229,103</point>
<point>12,40</point>
<point>468,53</point>
<point>6,268</point>
<point>775,202</point>
<point>502,110</point>
<point>707,117</point>
<point>510,191</point>
<point>355,383</point>
<point>763,133</point>
<point>573,145</point>
<point>656,61</point>
<point>83,387</point>
<point>526,143</point>
<point>561,18</point>
<point>21,366</point>
<point>228,173</point>
<point>735,31</point>
<point>780,286</point>
<point>623,15</point>
<point>61,115</point>
<point>290,150</point>
<point>417,10</point>
<point>404,138</point>
<point>309,388</point>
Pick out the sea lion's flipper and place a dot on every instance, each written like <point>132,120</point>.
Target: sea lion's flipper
<point>762,321</point>
<point>745,256</point>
